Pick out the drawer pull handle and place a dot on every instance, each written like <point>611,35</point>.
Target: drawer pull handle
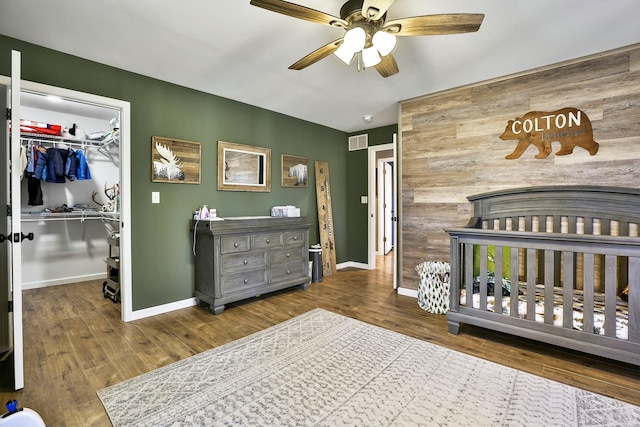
<point>245,262</point>
<point>236,244</point>
<point>288,255</point>
<point>268,241</point>
<point>246,281</point>
<point>295,237</point>
<point>288,272</point>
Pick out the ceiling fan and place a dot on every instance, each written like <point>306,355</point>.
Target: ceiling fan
<point>368,37</point>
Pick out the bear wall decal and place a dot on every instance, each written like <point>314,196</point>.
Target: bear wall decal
<point>568,126</point>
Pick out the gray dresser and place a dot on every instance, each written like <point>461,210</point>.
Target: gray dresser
<point>243,257</point>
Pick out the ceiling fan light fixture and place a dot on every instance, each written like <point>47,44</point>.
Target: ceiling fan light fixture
<point>344,54</point>
<point>370,57</point>
<point>384,42</point>
<point>354,39</point>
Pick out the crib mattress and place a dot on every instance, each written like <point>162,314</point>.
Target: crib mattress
<point>622,310</point>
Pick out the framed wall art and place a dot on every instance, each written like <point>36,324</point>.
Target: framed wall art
<point>294,171</point>
<point>243,167</point>
<point>175,161</point>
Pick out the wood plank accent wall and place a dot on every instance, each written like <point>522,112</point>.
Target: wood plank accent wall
<point>450,146</point>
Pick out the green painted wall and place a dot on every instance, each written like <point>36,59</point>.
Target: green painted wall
<point>357,170</point>
<point>161,244</point>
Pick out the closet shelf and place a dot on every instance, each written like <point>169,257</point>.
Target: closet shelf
<point>66,216</point>
<point>111,137</point>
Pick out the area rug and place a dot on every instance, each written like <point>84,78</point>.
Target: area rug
<point>324,369</point>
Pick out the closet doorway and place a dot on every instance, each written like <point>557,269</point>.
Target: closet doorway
<point>70,229</point>
<point>382,204</point>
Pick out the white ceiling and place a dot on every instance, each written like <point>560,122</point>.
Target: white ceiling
<point>232,49</point>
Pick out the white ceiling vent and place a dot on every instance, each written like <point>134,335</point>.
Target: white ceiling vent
<point>358,142</point>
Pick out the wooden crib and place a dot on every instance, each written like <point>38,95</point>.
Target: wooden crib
<point>558,264</point>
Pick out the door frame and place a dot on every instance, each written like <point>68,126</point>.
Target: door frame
<point>372,205</point>
<point>381,205</point>
<point>125,177</point>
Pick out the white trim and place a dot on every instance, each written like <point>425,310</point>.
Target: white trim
<point>62,281</point>
<point>162,309</point>
<point>126,293</point>
<point>372,207</point>
<point>354,265</point>
<point>408,292</point>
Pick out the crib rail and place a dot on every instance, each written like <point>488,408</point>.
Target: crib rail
<point>550,265</point>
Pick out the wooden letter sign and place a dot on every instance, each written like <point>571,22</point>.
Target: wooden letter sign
<point>569,126</point>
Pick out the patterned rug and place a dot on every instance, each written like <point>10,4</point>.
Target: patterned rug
<point>324,369</point>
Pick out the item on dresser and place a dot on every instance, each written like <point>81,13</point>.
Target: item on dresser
<point>243,257</point>
<point>286,211</point>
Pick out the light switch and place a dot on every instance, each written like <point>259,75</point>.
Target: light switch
<point>364,200</point>
<point>155,197</point>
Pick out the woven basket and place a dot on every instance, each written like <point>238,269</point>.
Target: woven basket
<point>433,290</point>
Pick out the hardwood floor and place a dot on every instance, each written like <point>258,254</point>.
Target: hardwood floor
<point>75,343</point>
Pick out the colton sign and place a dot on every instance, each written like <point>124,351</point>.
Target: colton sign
<point>569,126</point>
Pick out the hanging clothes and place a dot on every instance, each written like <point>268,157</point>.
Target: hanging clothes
<point>55,165</point>
<point>34,190</point>
<point>82,171</point>
<point>41,164</point>
<point>71,165</point>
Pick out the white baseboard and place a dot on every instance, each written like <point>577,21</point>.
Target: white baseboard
<point>352,264</point>
<point>62,281</point>
<point>161,309</point>
<point>408,292</point>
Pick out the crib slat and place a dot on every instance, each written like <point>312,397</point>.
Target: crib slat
<point>567,289</point>
<point>588,225</point>
<point>572,224</point>
<point>549,274</point>
<point>468,273</point>
<point>497,307</point>
<point>515,282</point>
<point>587,304</point>
<point>531,284</point>
<point>634,299</point>
<point>611,286</point>
<point>483,277</point>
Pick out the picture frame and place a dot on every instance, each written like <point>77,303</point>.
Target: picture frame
<point>295,171</point>
<point>175,161</point>
<point>243,167</point>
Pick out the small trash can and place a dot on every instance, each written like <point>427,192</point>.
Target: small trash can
<point>433,290</point>
<point>315,255</point>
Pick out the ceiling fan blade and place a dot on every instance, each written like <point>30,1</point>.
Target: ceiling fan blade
<point>388,66</point>
<point>300,12</point>
<point>433,25</point>
<point>317,55</point>
<point>373,10</point>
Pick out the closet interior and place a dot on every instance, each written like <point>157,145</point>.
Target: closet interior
<point>70,152</point>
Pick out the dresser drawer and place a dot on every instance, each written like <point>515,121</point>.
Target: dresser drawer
<point>232,283</point>
<point>293,270</point>
<point>243,261</point>
<point>264,241</point>
<point>287,255</point>
<point>294,238</point>
<point>229,245</point>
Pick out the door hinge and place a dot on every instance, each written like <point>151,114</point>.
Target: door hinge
<point>8,113</point>
<point>10,306</point>
<point>8,210</point>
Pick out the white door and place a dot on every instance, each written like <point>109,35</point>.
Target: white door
<point>388,207</point>
<point>10,231</point>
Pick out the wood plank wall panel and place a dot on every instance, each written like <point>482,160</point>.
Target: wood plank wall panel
<point>450,146</point>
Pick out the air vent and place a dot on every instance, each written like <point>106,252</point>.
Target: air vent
<point>358,142</point>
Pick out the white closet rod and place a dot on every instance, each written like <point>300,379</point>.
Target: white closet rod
<point>25,138</point>
<point>69,216</point>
